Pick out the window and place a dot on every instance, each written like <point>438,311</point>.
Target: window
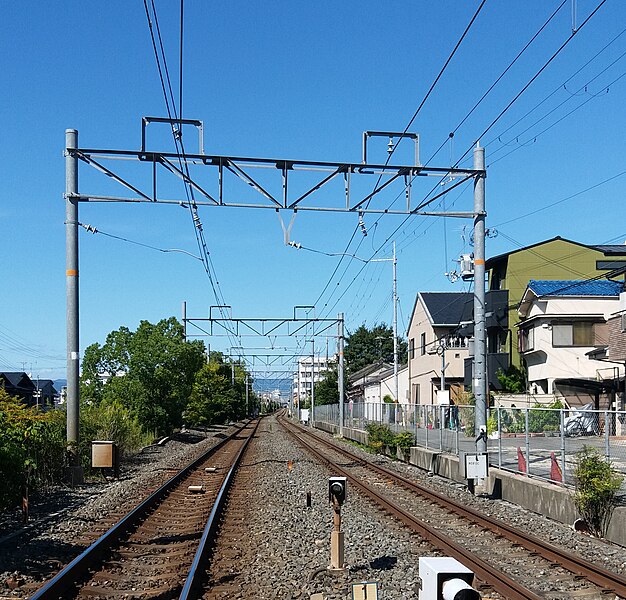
<point>423,344</point>
<point>526,339</point>
<point>580,333</point>
<point>412,348</point>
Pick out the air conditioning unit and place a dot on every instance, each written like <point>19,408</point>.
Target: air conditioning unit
<point>467,266</point>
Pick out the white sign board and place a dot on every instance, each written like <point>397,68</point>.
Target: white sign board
<point>443,397</point>
<point>475,466</point>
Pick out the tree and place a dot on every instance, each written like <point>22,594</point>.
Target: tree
<point>367,346</point>
<point>327,389</point>
<point>214,399</point>
<point>151,371</point>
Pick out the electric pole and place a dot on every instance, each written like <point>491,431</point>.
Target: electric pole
<point>71,314</point>
<point>395,325</point>
<point>480,348</point>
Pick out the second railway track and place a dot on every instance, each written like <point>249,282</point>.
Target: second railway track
<point>512,562</point>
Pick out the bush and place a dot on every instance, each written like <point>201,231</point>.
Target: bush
<point>405,440</point>
<point>595,495</point>
<point>111,421</point>
<point>379,436</point>
<point>32,448</point>
<point>544,420</point>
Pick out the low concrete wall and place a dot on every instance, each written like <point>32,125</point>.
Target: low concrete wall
<point>536,495</point>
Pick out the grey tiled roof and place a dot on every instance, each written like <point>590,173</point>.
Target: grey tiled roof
<point>448,308</point>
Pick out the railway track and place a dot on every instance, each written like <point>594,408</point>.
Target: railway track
<point>511,562</point>
<point>160,548</point>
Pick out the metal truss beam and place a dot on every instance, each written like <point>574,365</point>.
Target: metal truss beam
<point>286,169</point>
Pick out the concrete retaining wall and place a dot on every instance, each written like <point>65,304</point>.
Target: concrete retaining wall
<point>536,495</point>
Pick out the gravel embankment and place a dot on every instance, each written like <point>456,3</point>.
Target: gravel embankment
<point>63,522</point>
<point>291,541</point>
<point>291,548</point>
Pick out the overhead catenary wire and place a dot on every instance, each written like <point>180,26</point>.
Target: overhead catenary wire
<point>428,201</point>
<point>415,114</point>
<point>174,115</point>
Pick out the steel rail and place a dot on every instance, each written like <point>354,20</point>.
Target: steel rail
<point>73,572</point>
<point>491,576</point>
<point>609,582</point>
<point>197,569</point>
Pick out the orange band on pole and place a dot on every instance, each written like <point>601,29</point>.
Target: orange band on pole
<point>479,261</point>
<point>71,273</point>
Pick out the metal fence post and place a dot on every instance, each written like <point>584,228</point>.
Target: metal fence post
<point>607,431</point>
<point>499,439</point>
<point>563,445</point>
<point>441,414</point>
<point>527,444</point>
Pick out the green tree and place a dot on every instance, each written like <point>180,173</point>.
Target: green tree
<point>513,380</point>
<point>327,389</point>
<point>367,346</point>
<point>214,399</point>
<point>151,372</point>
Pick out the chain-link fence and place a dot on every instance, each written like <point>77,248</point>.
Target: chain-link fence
<point>537,442</point>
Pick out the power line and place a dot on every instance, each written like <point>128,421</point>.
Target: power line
<point>419,108</point>
<point>547,206</point>
<point>498,79</point>
<point>533,78</point>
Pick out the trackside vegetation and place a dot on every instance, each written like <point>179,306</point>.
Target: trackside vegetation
<point>595,493</point>
<point>137,386</point>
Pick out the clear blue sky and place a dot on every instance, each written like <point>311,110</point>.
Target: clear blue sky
<point>303,81</point>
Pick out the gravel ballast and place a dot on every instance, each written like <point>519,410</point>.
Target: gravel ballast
<point>291,549</point>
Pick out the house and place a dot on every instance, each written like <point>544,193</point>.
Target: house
<point>18,384</point>
<point>45,392</point>
<point>437,348</point>
<point>563,325</point>
<point>384,384</point>
<point>359,380</point>
<point>554,259</point>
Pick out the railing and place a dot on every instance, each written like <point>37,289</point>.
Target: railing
<point>536,442</point>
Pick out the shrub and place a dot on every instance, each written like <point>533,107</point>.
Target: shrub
<point>513,380</point>
<point>595,495</point>
<point>379,436</point>
<point>405,440</point>
<point>492,423</point>
<point>32,448</point>
<point>111,421</point>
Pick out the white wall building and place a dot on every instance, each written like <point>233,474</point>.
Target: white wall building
<point>384,385</point>
<point>435,342</point>
<point>310,371</point>
<point>562,324</point>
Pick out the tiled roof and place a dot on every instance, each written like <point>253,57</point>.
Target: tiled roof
<point>448,308</point>
<point>611,248</point>
<point>576,288</point>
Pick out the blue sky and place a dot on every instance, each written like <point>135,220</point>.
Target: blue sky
<point>302,81</point>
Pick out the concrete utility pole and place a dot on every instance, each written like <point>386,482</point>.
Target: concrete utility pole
<point>71,290</point>
<point>313,383</point>
<point>340,370</point>
<point>395,326</point>
<point>247,409</point>
<point>184,321</point>
<point>480,347</point>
